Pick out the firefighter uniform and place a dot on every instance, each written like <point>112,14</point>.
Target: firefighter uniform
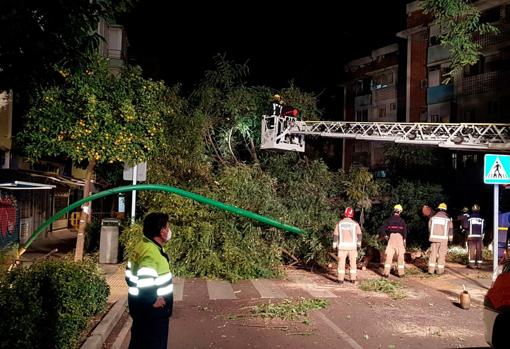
<point>347,238</point>
<point>475,238</point>
<point>394,230</point>
<point>148,277</point>
<point>441,231</point>
<point>463,225</point>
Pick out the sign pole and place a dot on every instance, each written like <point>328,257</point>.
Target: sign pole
<point>495,233</point>
<point>133,195</point>
<point>496,171</point>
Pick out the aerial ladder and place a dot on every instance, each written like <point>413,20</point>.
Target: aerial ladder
<point>288,133</point>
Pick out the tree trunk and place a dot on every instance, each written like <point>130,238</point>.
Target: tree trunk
<point>253,151</point>
<point>85,212</point>
<point>209,140</point>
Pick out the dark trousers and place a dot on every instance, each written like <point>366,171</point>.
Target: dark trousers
<point>149,333</point>
<point>475,252</point>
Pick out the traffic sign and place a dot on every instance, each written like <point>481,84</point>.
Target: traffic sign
<point>496,169</point>
<point>141,173</point>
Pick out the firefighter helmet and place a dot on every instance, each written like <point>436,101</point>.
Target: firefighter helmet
<point>465,210</point>
<point>277,97</point>
<point>398,208</point>
<point>349,212</point>
<point>442,206</point>
<point>475,207</point>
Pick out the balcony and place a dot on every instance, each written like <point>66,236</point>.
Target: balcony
<point>437,53</point>
<point>439,94</point>
<point>491,42</point>
<point>482,83</point>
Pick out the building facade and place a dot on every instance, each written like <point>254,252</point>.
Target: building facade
<point>371,96</point>
<point>417,85</point>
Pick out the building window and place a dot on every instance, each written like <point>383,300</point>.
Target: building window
<point>469,160</point>
<point>469,115</point>
<point>393,106</point>
<point>493,109</point>
<point>381,112</point>
<point>454,161</point>
<point>362,115</point>
<point>381,81</point>
<point>435,118</point>
<point>362,147</point>
<point>475,69</point>
<point>491,15</point>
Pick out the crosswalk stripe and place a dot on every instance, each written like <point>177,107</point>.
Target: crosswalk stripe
<point>268,289</point>
<point>318,293</point>
<point>219,289</point>
<point>178,289</point>
<point>314,290</point>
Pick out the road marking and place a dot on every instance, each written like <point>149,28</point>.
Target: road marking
<point>318,293</point>
<point>218,289</point>
<point>178,289</point>
<point>352,343</point>
<point>313,289</point>
<point>268,289</point>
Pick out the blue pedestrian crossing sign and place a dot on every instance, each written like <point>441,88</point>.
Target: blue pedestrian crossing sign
<point>496,169</point>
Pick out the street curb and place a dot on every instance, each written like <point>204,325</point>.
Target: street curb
<point>122,334</point>
<point>105,327</point>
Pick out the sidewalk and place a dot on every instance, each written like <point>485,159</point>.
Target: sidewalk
<point>62,242</point>
<point>56,243</point>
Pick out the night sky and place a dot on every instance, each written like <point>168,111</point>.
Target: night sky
<point>307,43</point>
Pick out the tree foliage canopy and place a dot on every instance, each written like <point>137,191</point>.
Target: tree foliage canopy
<point>458,21</point>
<point>94,116</point>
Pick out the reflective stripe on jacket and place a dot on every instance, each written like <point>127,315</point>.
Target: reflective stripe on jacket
<point>440,227</point>
<point>348,234</point>
<point>475,226</point>
<point>393,225</point>
<point>148,276</point>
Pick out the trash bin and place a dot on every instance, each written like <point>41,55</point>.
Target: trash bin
<point>109,241</point>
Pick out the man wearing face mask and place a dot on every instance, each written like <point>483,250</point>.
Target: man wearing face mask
<point>150,287</point>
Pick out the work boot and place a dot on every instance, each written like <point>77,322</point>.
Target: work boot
<point>471,266</point>
<point>341,282</point>
<point>354,282</point>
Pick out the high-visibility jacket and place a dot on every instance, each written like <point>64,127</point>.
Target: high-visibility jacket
<point>475,227</point>
<point>347,234</point>
<point>148,276</point>
<point>440,227</point>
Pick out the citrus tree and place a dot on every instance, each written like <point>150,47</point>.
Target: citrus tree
<point>94,117</point>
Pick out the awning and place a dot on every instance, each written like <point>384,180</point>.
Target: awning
<point>20,185</point>
<point>16,178</point>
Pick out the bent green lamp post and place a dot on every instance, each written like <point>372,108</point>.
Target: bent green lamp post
<point>159,187</point>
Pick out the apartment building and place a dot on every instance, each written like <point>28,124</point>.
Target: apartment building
<point>417,84</point>
<point>371,95</point>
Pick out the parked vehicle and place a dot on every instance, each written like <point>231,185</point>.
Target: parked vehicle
<point>496,313</point>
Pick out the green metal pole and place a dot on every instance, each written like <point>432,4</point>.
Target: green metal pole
<point>165,188</point>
